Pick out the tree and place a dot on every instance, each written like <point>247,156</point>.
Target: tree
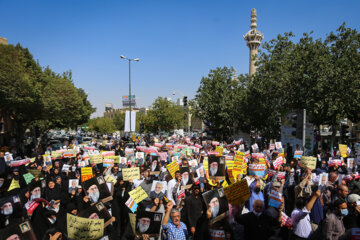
<point>102,125</point>
<point>163,116</point>
<point>218,97</point>
<point>322,77</point>
<point>32,96</point>
<point>119,121</point>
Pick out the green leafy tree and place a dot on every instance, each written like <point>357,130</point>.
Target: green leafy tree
<point>163,116</point>
<point>119,121</point>
<point>217,98</point>
<point>32,96</point>
<point>102,125</point>
<point>322,77</point>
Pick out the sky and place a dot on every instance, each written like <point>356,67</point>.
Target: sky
<point>177,42</point>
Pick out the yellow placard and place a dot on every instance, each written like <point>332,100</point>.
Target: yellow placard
<point>206,166</point>
<point>116,158</point>
<point>229,164</point>
<point>14,184</point>
<point>238,161</point>
<point>138,194</point>
<point>86,173</point>
<point>96,158</point>
<point>238,192</point>
<point>343,150</point>
<point>131,173</point>
<point>309,162</point>
<point>32,159</point>
<point>219,150</point>
<point>84,228</point>
<point>172,168</point>
<point>110,178</point>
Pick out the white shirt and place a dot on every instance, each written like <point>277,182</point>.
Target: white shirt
<point>301,222</point>
<point>170,187</point>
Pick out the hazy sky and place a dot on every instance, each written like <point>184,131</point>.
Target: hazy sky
<point>177,42</point>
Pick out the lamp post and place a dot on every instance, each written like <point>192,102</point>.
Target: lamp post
<point>129,59</point>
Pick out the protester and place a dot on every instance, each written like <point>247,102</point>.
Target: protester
<point>173,187</point>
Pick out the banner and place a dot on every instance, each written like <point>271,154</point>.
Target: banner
<point>257,169</point>
<point>298,154</point>
<point>96,158</point>
<point>238,192</point>
<point>308,162</point>
<point>131,173</point>
<point>69,154</point>
<point>86,173</point>
<point>127,121</point>
<point>275,199</point>
<point>278,162</point>
<point>56,154</point>
<point>131,204</point>
<point>138,194</point>
<point>83,228</point>
<point>286,221</point>
<point>31,206</point>
<point>217,234</point>
<point>20,162</point>
<point>172,168</point>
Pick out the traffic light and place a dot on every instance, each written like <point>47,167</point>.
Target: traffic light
<point>141,127</point>
<point>185,101</point>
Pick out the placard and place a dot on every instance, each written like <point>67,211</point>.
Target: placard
<point>138,194</point>
<point>56,154</point>
<point>86,173</point>
<point>131,173</point>
<point>83,228</point>
<point>28,177</point>
<point>308,162</point>
<point>238,192</point>
<point>172,168</point>
<point>343,150</point>
<point>275,199</point>
<point>96,158</point>
<point>257,169</point>
<point>110,178</point>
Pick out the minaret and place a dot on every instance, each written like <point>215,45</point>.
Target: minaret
<point>253,39</point>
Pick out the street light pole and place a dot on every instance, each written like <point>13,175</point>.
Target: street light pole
<point>129,59</point>
<point>130,91</point>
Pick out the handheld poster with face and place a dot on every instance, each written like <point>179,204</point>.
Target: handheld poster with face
<point>158,189</point>
<point>98,211</point>
<point>186,178</point>
<point>217,203</point>
<point>97,189</point>
<point>323,181</point>
<point>140,157</point>
<point>18,231</point>
<point>10,205</point>
<point>216,167</point>
<point>73,185</point>
<point>148,223</point>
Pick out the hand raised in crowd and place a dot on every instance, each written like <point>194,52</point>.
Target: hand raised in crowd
<point>86,199</point>
<point>56,236</point>
<point>208,212</point>
<point>169,206</point>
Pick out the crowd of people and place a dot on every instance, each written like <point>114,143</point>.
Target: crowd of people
<point>178,188</point>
